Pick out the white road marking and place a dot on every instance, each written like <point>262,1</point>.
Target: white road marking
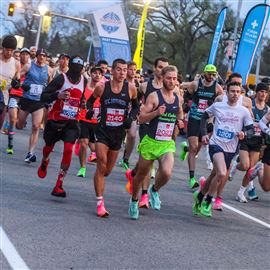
<point>267,225</point>
<point>10,252</point>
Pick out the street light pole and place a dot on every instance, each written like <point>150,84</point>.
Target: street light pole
<point>39,30</point>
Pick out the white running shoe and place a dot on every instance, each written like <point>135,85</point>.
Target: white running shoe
<point>240,197</point>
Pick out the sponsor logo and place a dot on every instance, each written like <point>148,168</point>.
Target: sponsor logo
<point>110,22</point>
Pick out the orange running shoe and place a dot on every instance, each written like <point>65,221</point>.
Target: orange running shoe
<point>130,180</point>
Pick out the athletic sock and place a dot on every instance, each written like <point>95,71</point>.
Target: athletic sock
<point>99,200</point>
<point>209,199</point>
<point>242,189</point>
<point>133,173</point>
<point>191,174</point>
<point>134,200</point>
<point>10,136</point>
<point>250,185</point>
<point>153,189</point>
<point>200,197</point>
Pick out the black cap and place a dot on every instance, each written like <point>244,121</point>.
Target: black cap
<point>64,55</point>
<point>266,80</point>
<point>262,87</point>
<point>93,69</point>
<point>9,42</point>
<point>41,51</point>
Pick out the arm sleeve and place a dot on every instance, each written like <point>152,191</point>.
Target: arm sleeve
<point>263,125</point>
<point>50,93</point>
<point>203,124</point>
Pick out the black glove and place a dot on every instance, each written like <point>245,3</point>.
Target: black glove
<point>25,87</point>
<point>89,114</point>
<point>209,127</point>
<point>15,84</point>
<point>127,123</point>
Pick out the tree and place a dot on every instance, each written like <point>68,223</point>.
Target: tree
<point>265,63</point>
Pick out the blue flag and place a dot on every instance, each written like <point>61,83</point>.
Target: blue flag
<point>251,36</point>
<point>216,38</point>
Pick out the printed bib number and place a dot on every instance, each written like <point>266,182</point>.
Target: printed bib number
<point>257,130</point>
<point>115,117</point>
<point>3,85</point>
<point>225,134</point>
<point>202,106</point>
<point>164,131</point>
<point>35,89</point>
<point>70,108</point>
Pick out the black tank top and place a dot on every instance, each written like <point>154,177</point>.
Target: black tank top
<point>150,89</point>
<point>114,107</point>
<point>161,127</point>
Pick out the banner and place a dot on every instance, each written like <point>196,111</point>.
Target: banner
<point>138,55</point>
<point>46,24</point>
<point>109,33</point>
<point>216,38</point>
<point>251,36</point>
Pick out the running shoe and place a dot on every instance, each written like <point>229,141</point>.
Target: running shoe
<point>184,151</point>
<point>58,190</point>
<point>254,174</point>
<point>30,158</point>
<point>233,170</point>
<point>125,164</point>
<point>196,207</point>
<point>130,180</point>
<point>9,151</point>
<point>217,204</point>
<point>101,211</point>
<point>144,201</point>
<point>92,157</point>
<point>133,210</point>
<point>153,172</point>
<point>252,195</point>
<point>206,209</point>
<point>81,172</point>
<point>77,148</point>
<point>202,181</point>
<point>193,183</point>
<point>154,199</point>
<point>42,170</point>
<point>240,197</point>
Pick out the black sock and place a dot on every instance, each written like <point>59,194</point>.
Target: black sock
<point>209,199</point>
<point>144,191</point>
<point>191,174</point>
<point>134,200</point>
<point>186,148</point>
<point>133,173</point>
<point>153,189</point>
<point>200,197</point>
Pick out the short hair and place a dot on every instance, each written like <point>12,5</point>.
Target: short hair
<point>234,75</point>
<point>232,84</point>
<point>102,61</point>
<point>131,63</point>
<point>118,61</point>
<point>169,68</point>
<point>162,59</point>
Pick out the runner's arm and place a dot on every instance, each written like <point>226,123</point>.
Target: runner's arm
<point>134,102</point>
<point>25,69</point>
<point>263,123</point>
<point>219,90</point>
<point>50,93</point>
<point>248,125</point>
<point>190,86</point>
<point>98,91</point>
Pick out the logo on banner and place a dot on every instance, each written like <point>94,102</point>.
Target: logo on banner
<point>110,22</point>
<point>254,24</point>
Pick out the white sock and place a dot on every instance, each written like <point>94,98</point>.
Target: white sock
<point>242,189</point>
<point>250,185</point>
<point>99,200</point>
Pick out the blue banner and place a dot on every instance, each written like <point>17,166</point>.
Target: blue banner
<point>251,36</point>
<point>216,38</point>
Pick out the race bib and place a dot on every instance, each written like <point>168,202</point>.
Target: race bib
<point>164,131</point>
<point>257,130</point>
<point>3,85</point>
<point>96,113</point>
<point>70,108</point>
<point>202,105</point>
<point>35,89</point>
<point>225,134</point>
<point>115,117</point>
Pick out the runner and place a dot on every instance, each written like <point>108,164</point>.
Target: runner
<point>230,118</point>
<point>88,126</point>
<point>63,64</point>
<point>250,148</point>
<point>115,96</point>
<point>37,76</point>
<point>9,73</point>
<point>13,103</point>
<point>33,53</point>
<point>204,92</point>
<point>264,125</point>
<point>104,65</point>
<point>162,110</point>
<point>66,91</point>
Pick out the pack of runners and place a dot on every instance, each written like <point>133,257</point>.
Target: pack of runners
<point>102,108</point>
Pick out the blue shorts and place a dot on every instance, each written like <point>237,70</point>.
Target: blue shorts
<point>213,149</point>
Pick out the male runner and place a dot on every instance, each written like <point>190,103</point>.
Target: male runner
<point>115,96</point>
<point>230,118</point>
<point>66,91</point>
<point>204,92</point>
<point>63,64</point>
<point>162,110</point>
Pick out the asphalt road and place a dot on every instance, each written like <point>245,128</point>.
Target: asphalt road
<point>54,233</point>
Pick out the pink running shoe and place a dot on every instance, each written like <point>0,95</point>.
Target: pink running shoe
<point>77,148</point>
<point>92,157</point>
<point>101,211</point>
<point>144,201</point>
<point>202,181</point>
<point>130,180</point>
<point>217,204</point>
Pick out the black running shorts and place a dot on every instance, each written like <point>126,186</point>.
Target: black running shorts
<point>193,128</point>
<point>88,131</point>
<point>254,144</point>
<point>29,105</point>
<point>266,155</point>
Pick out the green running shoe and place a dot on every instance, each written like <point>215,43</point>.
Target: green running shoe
<point>9,151</point>
<point>125,165</point>
<point>154,199</point>
<point>81,172</point>
<point>206,209</point>
<point>196,207</point>
<point>193,183</point>
<point>184,152</point>
<point>133,210</point>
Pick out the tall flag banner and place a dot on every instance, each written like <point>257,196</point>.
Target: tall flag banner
<point>109,34</point>
<point>138,55</point>
<point>46,24</point>
<point>251,36</point>
<point>216,38</point>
